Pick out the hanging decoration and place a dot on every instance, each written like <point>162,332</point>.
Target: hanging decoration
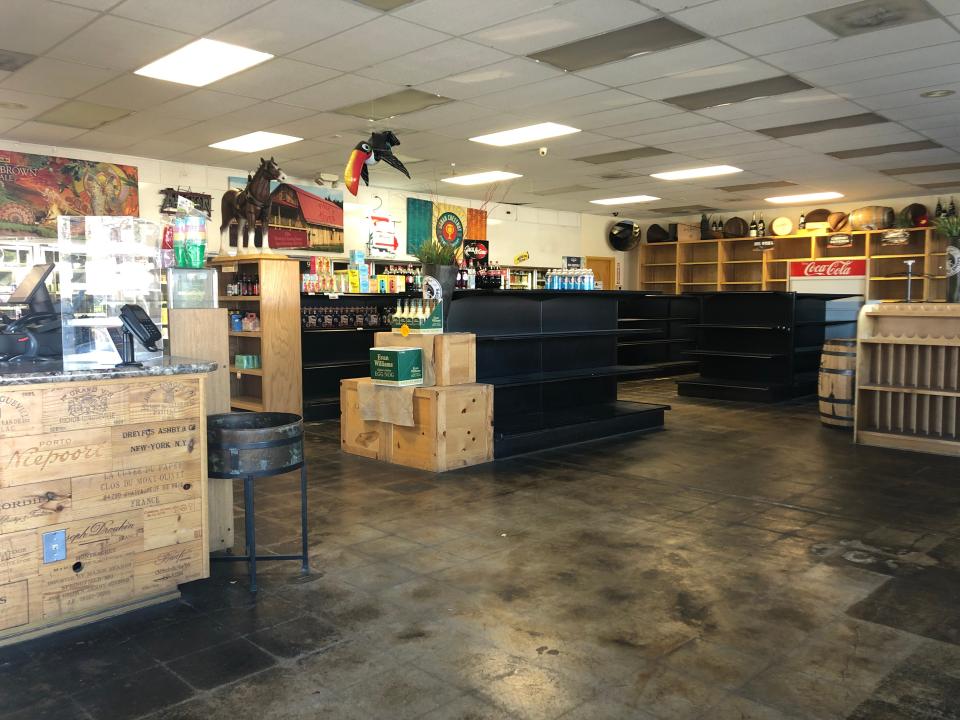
<point>368,153</point>
<point>201,201</point>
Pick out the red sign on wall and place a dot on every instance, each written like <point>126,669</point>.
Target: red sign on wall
<point>829,268</point>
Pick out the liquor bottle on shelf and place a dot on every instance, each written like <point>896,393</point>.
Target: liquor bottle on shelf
<point>753,225</point>
<point>761,227</point>
<point>952,210</point>
<point>256,284</point>
<point>938,213</point>
<point>803,221</point>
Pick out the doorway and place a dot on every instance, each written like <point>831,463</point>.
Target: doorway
<point>603,270</point>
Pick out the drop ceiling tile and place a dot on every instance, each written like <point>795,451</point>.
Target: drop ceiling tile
<point>562,24</point>
<point>206,156</point>
<point>42,133</point>
<point>338,92</point>
<point>619,116</point>
<point>695,56</point>
<point>916,80</point>
<point>321,125</point>
<point>722,17</point>
<point>500,76</point>
<point>567,108</point>
<point>79,114</point>
<point>815,112</point>
<point>7,124</point>
<point>54,77</point>
<point>810,104</point>
<point>920,157</point>
<point>928,108</point>
<point>906,98</point>
<point>890,64</point>
<point>148,124</point>
<point>870,45</point>
<point>282,26</point>
<point>35,104</point>
<point>368,44</point>
<point>265,114</point>
<point>187,16</point>
<point>541,93</point>
<point>853,138</point>
<point>931,122</point>
<point>135,92</point>
<point>203,104</point>
<point>448,114</point>
<point>156,148</point>
<point>447,58</point>
<point>119,44</point>
<point>654,125</point>
<point>708,78</point>
<point>33,26</point>
<point>778,37</point>
<point>702,146</point>
<point>273,78</point>
<point>675,135</point>
<point>460,17</point>
<point>204,133</point>
<point>104,141</point>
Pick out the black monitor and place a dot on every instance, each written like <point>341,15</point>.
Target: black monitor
<point>32,291</point>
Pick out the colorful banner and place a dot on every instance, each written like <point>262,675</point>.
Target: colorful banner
<point>36,189</point>
<point>445,223</point>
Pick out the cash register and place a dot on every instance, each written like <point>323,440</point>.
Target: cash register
<point>37,334</point>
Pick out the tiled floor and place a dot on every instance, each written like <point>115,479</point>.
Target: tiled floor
<point>746,563</point>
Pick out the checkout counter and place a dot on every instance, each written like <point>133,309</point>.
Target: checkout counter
<point>103,478</point>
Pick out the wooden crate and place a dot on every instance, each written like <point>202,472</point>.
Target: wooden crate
<point>453,427</point>
<point>454,355</point>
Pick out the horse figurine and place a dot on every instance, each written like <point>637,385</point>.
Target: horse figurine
<point>247,206</point>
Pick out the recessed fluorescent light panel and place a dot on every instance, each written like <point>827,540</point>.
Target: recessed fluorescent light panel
<point>481,178</point>
<point>255,141</point>
<point>807,197</point>
<point>628,200</point>
<point>619,44</point>
<point>840,123</point>
<point>739,93</point>
<point>530,133</point>
<point>692,173</point>
<point>203,62</point>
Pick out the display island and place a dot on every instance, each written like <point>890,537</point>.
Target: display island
<point>103,490</point>
<point>553,358</point>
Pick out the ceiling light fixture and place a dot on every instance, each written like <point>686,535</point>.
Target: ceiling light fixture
<point>629,200</point>
<point>938,93</point>
<point>203,62</point>
<point>703,172</point>
<point>807,197</point>
<point>255,142</point>
<point>530,133</point>
<point>481,178</point>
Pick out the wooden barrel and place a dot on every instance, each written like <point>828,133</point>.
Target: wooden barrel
<point>872,217</point>
<point>837,386</point>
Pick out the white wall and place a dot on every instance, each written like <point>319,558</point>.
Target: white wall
<point>546,235</point>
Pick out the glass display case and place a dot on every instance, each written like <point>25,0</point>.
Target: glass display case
<point>17,256</point>
<point>105,263</point>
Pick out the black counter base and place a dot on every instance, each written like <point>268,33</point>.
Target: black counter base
<point>539,431</point>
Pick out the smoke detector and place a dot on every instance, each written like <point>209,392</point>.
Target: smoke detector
<point>870,15</point>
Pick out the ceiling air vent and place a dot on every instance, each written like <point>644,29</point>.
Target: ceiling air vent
<point>870,15</point>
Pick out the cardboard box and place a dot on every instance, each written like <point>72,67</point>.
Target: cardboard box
<point>430,325</point>
<point>448,358</point>
<point>396,366</point>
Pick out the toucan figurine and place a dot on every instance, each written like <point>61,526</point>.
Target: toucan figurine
<point>370,152</point>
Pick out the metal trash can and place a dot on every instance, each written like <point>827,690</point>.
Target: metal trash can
<point>252,445</point>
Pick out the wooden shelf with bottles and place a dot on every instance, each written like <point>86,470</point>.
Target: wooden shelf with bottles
<point>733,264</point>
<point>276,385</point>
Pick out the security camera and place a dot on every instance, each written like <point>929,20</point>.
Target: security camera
<point>542,151</point>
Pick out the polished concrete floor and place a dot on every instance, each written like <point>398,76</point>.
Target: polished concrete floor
<point>745,563</point>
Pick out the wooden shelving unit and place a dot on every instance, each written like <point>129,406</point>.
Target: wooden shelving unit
<point>276,385</point>
<point>732,263</point>
<point>908,377</point>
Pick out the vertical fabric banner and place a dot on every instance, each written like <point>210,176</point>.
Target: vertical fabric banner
<point>476,224</point>
<point>419,223</point>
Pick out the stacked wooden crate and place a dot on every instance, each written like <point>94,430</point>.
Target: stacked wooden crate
<point>453,419</point>
<point>908,377</point>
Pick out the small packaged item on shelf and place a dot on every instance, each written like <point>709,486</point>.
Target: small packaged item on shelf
<point>236,321</point>
<point>396,366</point>
<point>251,322</point>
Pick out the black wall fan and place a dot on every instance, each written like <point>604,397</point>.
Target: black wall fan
<point>624,235</point>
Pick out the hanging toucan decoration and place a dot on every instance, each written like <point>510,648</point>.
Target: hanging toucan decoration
<point>370,152</point>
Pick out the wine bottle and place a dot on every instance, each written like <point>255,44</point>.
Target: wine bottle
<point>952,210</point>
<point>753,225</point>
<point>938,213</point>
<point>803,221</point>
<point>761,227</point>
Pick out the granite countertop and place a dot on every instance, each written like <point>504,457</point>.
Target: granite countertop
<point>29,373</point>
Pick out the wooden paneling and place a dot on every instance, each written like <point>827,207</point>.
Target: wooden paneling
<point>117,470</point>
<point>280,341</point>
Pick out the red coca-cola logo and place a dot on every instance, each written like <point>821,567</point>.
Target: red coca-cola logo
<point>829,268</point>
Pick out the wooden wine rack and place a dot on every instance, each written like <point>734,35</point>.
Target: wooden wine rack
<point>908,377</point>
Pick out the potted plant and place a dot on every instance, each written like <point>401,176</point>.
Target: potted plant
<point>439,272</point>
<point>950,227</point>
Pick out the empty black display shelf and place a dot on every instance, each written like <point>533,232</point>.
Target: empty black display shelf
<point>552,357</point>
<point>759,346</point>
<point>672,318</point>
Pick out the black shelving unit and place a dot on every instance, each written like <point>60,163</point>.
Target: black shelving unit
<point>552,357</point>
<point>661,354</point>
<point>759,346</point>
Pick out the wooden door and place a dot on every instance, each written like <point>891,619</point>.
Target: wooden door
<point>603,270</point>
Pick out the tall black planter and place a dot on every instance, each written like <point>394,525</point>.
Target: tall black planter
<point>953,270</point>
<point>444,279</point>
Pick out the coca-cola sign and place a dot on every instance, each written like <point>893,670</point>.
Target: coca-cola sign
<point>829,268</point>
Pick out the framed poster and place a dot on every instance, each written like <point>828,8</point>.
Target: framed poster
<point>35,190</point>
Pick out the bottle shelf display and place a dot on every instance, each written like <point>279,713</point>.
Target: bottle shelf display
<point>732,264</point>
<point>908,377</point>
<point>263,289</point>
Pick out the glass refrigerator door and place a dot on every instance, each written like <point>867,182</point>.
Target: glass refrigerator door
<point>105,263</point>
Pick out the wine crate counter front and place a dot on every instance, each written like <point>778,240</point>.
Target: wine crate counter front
<point>103,491</point>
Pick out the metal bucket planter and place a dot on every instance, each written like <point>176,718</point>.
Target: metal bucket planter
<point>257,445</point>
